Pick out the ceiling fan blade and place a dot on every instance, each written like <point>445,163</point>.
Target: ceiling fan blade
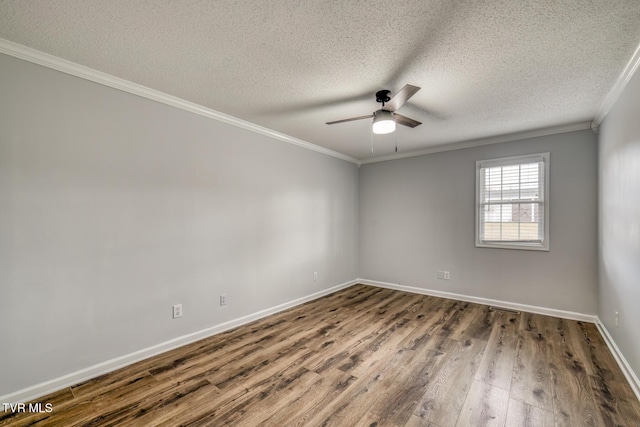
<point>351,119</point>
<point>406,121</point>
<point>401,97</point>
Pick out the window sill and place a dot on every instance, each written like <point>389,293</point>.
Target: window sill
<point>522,247</point>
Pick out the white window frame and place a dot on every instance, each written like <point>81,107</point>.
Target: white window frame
<point>512,161</point>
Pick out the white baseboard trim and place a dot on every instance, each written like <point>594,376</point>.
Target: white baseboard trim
<point>42,389</point>
<point>45,388</point>
<point>631,376</point>
<point>485,301</point>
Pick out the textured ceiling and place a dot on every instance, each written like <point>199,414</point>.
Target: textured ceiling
<point>486,68</point>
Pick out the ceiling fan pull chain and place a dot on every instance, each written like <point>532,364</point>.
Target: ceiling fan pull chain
<point>396,141</point>
<point>371,140</point>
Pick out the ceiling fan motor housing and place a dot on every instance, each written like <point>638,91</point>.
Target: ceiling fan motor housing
<point>383,96</point>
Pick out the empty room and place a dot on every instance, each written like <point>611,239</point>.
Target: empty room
<point>319,213</point>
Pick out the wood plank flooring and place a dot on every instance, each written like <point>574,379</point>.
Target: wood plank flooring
<point>365,356</point>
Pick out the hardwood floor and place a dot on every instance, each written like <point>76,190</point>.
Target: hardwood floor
<point>366,356</point>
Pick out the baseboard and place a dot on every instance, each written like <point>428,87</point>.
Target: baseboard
<point>485,301</point>
<point>45,388</point>
<point>631,376</point>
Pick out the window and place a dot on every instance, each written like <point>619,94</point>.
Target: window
<point>512,209</point>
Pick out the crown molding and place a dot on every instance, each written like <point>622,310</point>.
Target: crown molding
<point>37,57</point>
<point>617,89</point>
<point>485,141</point>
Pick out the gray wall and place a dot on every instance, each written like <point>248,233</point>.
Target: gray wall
<point>619,246</point>
<point>114,207</point>
<point>417,217</point>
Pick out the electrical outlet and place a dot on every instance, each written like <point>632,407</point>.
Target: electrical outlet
<point>177,311</point>
<point>440,274</point>
<point>447,276</point>
<point>617,319</point>
<point>315,276</point>
<point>223,299</point>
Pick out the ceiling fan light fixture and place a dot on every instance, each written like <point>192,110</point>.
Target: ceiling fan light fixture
<point>383,122</point>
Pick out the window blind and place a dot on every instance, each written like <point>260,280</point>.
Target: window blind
<point>511,200</point>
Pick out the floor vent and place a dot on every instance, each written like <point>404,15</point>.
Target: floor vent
<point>508,310</point>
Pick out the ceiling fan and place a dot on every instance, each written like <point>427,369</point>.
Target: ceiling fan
<point>385,119</point>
